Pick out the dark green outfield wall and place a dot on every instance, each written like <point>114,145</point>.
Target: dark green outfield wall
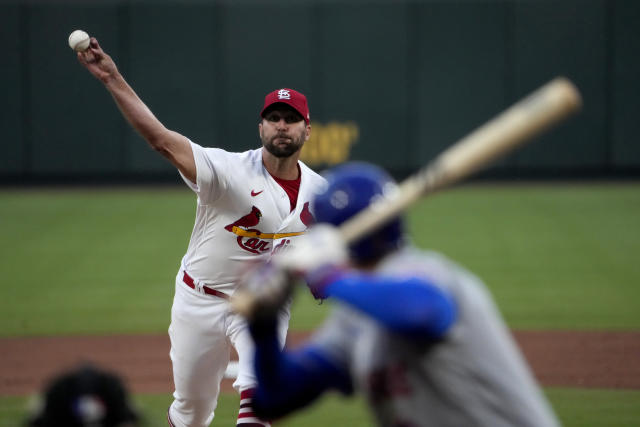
<point>393,82</point>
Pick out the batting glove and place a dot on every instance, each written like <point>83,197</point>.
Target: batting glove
<point>319,279</point>
<point>263,289</point>
<point>317,257</point>
<point>321,245</point>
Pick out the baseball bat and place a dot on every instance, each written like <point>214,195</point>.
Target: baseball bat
<point>529,117</point>
<point>526,119</point>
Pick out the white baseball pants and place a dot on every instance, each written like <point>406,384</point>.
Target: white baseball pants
<point>202,331</point>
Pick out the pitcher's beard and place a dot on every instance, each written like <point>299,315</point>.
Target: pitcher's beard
<point>284,150</point>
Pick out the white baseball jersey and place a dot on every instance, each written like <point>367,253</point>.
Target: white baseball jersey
<point>242,213</point>
<point>475,376</point>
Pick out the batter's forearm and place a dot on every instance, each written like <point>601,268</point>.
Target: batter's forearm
<point>408,306</point>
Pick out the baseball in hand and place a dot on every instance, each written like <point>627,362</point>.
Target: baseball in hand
<point>79,41</point>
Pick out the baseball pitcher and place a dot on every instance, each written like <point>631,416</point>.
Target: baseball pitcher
<point>249,205</point>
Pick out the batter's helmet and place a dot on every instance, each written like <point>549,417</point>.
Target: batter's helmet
<point>351,188</point>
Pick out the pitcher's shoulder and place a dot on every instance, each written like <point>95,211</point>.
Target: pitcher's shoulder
<point>312,175</point>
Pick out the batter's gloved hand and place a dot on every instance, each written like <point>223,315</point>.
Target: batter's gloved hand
<point>263,289</point>
<point>315,257</point>
<point>320,278</point>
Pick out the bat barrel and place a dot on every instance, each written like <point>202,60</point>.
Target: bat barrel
<point>526,119</point>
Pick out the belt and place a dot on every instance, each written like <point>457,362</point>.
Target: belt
<point>190,283</point>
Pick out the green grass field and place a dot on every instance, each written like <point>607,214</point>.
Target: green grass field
<point>575,408</point>
<point>102,261</point>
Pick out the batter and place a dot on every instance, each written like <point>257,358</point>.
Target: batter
<point>419,336</point>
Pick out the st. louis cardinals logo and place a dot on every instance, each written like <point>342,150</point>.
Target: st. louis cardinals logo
<point>245,225</point>
<point>253,240</point>
<point>284,94</point>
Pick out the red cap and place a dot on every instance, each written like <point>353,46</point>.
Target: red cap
<point>293,98</point>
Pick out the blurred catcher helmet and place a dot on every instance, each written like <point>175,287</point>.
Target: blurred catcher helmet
<point>84,397</point>
<point>351,188</point>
